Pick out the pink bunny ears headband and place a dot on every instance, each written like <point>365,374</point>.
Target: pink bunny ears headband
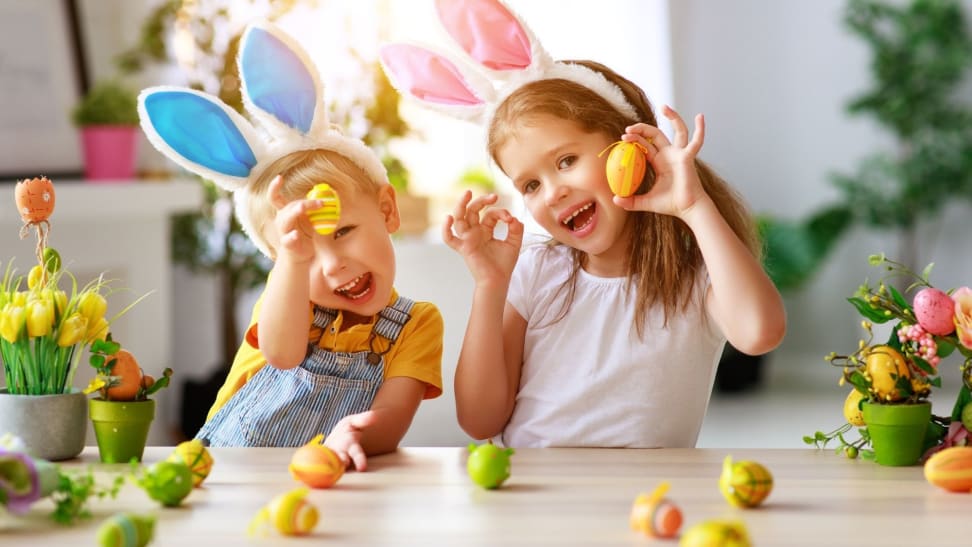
<point>500,54</point>
<point>281,90</point>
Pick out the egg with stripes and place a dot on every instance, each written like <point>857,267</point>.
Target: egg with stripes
<point>289,513</point>
<point>316,465</point>
<point>326,217</point>
<point>195,455</point>
<point>126,530</point>
<point>625,167</point>
<point>655,515</point>
<point>745,483</point>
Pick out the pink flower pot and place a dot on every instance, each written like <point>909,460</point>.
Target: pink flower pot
<point>109,152</point>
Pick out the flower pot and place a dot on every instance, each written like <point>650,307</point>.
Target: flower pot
<point>52,426</point>
<point>897,431</point>
<point>109,152</point>
<point>122,428</point>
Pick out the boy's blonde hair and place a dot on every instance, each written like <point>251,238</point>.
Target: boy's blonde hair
<point>301,171</point>
<point>664,259</point>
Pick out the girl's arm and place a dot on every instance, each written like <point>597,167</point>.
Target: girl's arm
<point>488,371</point>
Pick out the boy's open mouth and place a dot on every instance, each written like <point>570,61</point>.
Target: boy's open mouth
<point>357,287</point>
<point>580,218</point>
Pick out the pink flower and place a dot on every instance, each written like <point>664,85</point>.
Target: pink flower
<point>963,315</point>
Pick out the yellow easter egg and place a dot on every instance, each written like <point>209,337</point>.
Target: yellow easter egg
<point>951,469</point>
<point>325,219</point>
<point>655,516</point>
<point>745,483</point>
<point>716,533</point>
<point>852,408</point>
<point>625,168</point>
<point>195,455</point>
<point>291,514</point>
<point>885,365</point>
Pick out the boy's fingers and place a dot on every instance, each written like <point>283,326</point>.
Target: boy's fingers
<point>357,455</point>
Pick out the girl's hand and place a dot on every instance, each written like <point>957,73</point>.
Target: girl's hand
<point>469,231</point>
<point>345,439</point>
<point>677,186</point>
<point>293,227</point>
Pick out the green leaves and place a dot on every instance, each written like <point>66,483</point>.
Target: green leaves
<point>871,313</point>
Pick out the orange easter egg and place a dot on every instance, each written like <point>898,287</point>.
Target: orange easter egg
<point>35,199</point>
<point>128,377</point>
<point>951,469</point>
<point>316,465</point>
<point>658,518</point>
<point>625,168</point>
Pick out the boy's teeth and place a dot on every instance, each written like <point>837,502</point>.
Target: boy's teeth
<point>350,284</point>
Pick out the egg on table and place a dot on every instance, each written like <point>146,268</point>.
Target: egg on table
<point>290,513</point>
<point>655,515</point>
<point>745,483</point>
<point>316,465</point>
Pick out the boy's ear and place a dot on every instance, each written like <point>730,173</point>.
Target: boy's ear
<point>388,205</point>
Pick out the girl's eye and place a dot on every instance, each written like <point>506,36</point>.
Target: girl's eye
<point>341,232</point>
<point>566,162</point>
<point>531,187</point>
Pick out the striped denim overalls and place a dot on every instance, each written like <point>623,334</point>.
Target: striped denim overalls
<point>290,407</point>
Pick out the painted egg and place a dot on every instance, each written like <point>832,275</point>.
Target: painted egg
<point>885,365</point>
<point>745,483</point>
<point>716,533</point>
<point>625,168</point>
<point>852,408</point>
<point>195,456</point>
<point>316,465</point>
<point>935,310</point>
<point>325,219</point>
<point>290,514</point>
<point>951,469</point>
<point>126,530</point>
<point>35,199</point>
<point>655,515</point>
<point>167,482</point>
<point>488,465</point>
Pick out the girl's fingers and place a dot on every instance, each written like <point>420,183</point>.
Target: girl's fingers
<point>476,206</point>
<point>696,144</point>
<point>681,131</point>
<point>448,237</point>
<point>460,211</point>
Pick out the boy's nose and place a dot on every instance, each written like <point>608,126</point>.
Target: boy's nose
<point>332,265</point>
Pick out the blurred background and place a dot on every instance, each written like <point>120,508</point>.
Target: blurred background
<point>845,124</point>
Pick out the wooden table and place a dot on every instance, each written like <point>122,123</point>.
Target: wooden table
<point>422,496</point>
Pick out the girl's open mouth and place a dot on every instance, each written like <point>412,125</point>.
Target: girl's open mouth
<point>580,218</point>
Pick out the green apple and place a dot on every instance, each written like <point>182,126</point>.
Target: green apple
<point>488,465</point>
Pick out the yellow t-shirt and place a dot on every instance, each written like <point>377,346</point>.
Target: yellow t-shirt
<point>416,354</point>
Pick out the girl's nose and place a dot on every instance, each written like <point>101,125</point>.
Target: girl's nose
<point>555,193</point>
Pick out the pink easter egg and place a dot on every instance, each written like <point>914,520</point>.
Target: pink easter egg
<point>934,310</point>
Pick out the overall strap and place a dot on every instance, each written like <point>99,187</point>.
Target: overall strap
<point>392,319</point>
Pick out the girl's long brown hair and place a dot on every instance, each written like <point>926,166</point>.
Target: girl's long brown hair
<point>665,259</point>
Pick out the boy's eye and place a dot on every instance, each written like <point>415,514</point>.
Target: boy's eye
<point>566,162</point>
<point>531,186</point>
<point>341,232</point>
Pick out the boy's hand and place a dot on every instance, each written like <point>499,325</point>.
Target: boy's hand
<point>294,228</point>
<point>490,260</point>
<point>677,186</point>
<point>345,439</point>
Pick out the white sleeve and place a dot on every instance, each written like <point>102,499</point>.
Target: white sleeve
<point>522,281</point>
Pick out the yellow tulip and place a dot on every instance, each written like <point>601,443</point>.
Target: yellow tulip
<point>72,330</point>
<point>60,301</point>
<point>97,330</point>
<point>92,306</point>
<point>40,318</point>
<point>19,299</point>
<point>11,322</point>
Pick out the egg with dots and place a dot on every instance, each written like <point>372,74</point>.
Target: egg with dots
<point>316,465</point>
<point>951,469</point>
<point>716,533</point>
<point>127,377</point>
<point>325,218</point>
<point>745,483</point>
<point>290,514</point>
<point>655,515</point>
<point>935,310</point>
<point>35,199</point>
<point>488,465</point>
<point>196,457</point>
<point>625,167</point>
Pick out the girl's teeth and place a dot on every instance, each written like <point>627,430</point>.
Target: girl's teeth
<point>575,213</point>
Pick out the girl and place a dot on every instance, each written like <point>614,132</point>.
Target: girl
<point>337,352</point>
<point>608,335</point>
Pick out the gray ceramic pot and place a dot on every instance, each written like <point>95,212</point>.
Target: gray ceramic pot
<point>52,426</point>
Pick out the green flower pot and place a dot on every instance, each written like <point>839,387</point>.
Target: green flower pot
<point>897,431</point>
<point>121,427</point>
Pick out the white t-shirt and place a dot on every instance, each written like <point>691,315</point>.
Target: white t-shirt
<point>588,380</point>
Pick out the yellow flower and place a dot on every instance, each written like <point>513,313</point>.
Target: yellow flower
<point>40,317</point>
<point>97,330</point>
<point>92,306</point>
<point>963,315</point>
<point>12,321</point>
<point>72,330</point>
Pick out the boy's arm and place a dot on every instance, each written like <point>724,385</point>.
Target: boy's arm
<point>284,318</point>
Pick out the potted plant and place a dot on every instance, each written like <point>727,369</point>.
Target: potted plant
<point>122,413</point>
<point>46,322</point>
<point>108,117</point>
<point>891,381</point>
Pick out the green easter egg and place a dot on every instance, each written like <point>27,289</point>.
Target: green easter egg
<point>967,416</point>
<point>52,260</point>
<point>488,465</point>
<point>167,482</point>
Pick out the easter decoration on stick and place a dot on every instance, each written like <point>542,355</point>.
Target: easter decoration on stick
<point>35,202</point>
<point>290,513</point>
<point>655,515</point>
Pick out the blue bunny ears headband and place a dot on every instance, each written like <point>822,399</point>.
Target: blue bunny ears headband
<point>281,90</point>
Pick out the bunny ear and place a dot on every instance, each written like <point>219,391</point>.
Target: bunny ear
<point>491,34</point>
<point>280,84</point>
<point>435,80</point>
<point>200,133</point>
